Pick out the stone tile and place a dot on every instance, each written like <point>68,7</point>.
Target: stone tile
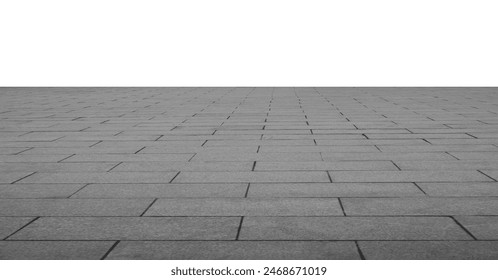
<point>447,165</point>
<point>73,207</point>
<point>351,228</point>
<point>386,156</point>
<point>9,225</point>
<point>53,250</point>
<point>246,207</point>
<point>446,206</point>
<point>429,250</point>
<point>130,228</point>
<point>322,165</point>
<point>482,227</point>
<point>460,189</point>
<point>408,176</point>
<point>334,190</point>
<point>235,250</point>
<point>38,190</point>
<point>256,177</point>
<point>108,177</point>
<point>161,190</point>
<point>128,157</point>
<point>56,167</point>
<point>183,166</point>
<point>257,157</point>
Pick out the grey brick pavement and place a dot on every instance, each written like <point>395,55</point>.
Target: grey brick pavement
<point>248,173</point>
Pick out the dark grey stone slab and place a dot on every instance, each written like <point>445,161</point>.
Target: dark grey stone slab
<point>53,250</point>
<point>235,250</point>
<point>351,228</point>
<point>429,250</point>
<point>130,228</point>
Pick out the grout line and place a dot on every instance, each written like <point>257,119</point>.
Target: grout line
<point>114,166</point>
<point>359,250</point>
<point>66,158</point>
<point>148,207</point>
<point>110,249</point>
<point>139,150</point>
<point>23,178</point>
<point>396,165</point>
<point>247,190</point>
<point>174,177</point>
<point>253,166</point>
<point>240,227</point>
<point>342,206</point>
<point>330,178</point>
<point>21,228</point>
<point>422,190</point>
<point>487,175</point>
<point>464,228</point>
<point>79,190</point>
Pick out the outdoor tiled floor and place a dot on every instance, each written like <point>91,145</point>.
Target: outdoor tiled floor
<point>248,173</point>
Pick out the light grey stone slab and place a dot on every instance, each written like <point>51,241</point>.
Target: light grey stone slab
<point>386,156</point>
<point>324,165</point>
<point>482,227</point>
<point>460,189</point>
<point>334,190</point>
<point>183,166</point>
<point>408,176</point>
<point>429,250</point>
<point>9,225</point>
<point>73,207</point>
<point>53,250</point>
<point>351,228</point>
<point>161,190</point>
<point>246,207</point>
<point>128,157</point>
<point>38,190</point>
<point>421,206</point>
<point>130,228</point>
<point>235,250</point>
<point>105,177</point>
<point>260,177</point>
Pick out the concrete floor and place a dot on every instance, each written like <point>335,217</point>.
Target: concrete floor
<point>248,173</point>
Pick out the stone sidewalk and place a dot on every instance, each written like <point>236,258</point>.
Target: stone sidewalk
<point>248,173</point>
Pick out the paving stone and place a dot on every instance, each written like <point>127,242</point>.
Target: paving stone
<point>235,250</point>
<point>429,250</point>
<point>161,190</point>
<point>408,176</point>
<point>460,189</point>
<point>183,166</point>
<point>246,207</point>
<point>38,190</point>
<point>446,206</point>
<point>482,227</point>
<point>130,228</point>
<point>321,165</point>
<point>107,177</point>
<point>386,156</point>
<point>206,156</point>
<point>73,207</point>
<point>56,167</point>
<point>351,228</point>
<point>260,177</point>
<point>53,250</point>
<point>9,225</point>
<point>334,190</point>
<point>447,165</point>
<point>128,157</point>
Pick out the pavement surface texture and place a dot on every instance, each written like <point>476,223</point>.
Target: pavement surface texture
<point>248,173</point>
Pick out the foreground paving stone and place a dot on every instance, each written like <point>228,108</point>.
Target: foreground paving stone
<point>246,207</point>
<point>130,228</point>
<point>73,207</point>
<point>53,250</point>
<point>429,250</point>
<point>235,250</point>
<point>351,228</point>
<point>421,206</point>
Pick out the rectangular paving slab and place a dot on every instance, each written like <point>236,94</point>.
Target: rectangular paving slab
<point>54,250</point>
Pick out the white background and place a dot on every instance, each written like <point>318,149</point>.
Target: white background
<point>248,43</point>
